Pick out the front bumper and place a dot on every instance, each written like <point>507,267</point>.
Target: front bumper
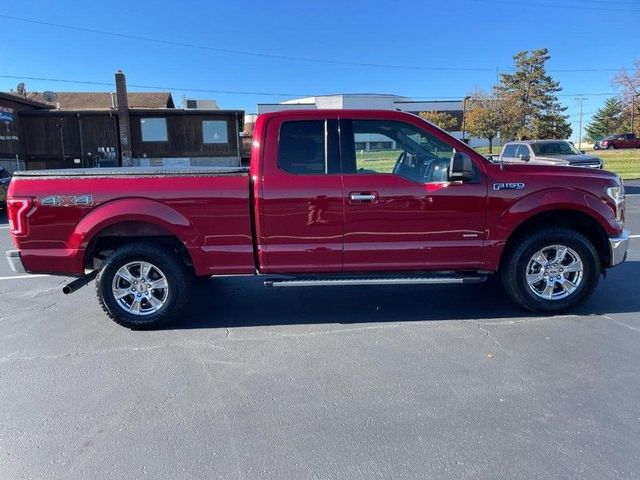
<point>618,247</point>
<point>15,262</point>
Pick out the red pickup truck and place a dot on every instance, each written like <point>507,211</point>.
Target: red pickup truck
<point>623,140</point>
<point>332,197</point>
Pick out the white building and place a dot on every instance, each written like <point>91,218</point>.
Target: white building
<point>374,101</point>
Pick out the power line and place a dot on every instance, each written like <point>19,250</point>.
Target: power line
<point>152,87</point>
<point>608,2</point>
<point>239,52</point>
<point>279,56</point>
<point>234,92</point>
<point>555,5</point>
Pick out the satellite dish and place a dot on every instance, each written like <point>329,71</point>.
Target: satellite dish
<point>20,89</point>
<point>49,96</point>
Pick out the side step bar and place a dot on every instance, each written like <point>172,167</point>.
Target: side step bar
<point>427,279</point>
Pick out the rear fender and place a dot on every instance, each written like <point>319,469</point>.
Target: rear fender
<point>131,210</point>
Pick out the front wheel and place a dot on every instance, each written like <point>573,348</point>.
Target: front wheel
<point>611,147</point>
<point>142,286</point>
<point>551,271</point>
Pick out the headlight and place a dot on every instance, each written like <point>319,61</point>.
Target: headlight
<point>617,195</point>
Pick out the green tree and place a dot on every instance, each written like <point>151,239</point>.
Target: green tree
<point>484,117</point>
<point>609,119</point>
<point>443,120</point>
<point>531,95</point>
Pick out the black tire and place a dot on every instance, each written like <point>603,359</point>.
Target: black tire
<point>515,266</point>
<point>165,265</point>
<point>611,147</point>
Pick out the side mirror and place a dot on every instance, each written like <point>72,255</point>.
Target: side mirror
<point>524,158</point>
<point>460,168</point>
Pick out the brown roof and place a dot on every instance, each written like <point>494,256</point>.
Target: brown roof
<point>103,100</point>
<point>20,99</point>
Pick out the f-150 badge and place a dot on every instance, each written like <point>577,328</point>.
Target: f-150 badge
<point>68,201</point>
<point>508,186</point>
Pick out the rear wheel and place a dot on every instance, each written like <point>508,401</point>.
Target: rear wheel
<point>551,271</point>
<point>142,286</point>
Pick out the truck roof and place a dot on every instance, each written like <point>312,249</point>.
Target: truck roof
<point>337,112</point>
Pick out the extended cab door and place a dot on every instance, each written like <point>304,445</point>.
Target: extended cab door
<point>300,203</point>
<point>401,213</point>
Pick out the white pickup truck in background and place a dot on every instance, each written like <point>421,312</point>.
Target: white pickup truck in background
<point>546,152</point>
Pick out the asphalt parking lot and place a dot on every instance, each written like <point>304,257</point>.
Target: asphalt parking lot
<point>385,382</point>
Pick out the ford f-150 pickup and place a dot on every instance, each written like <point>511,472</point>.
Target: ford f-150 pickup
<point>331,197</point>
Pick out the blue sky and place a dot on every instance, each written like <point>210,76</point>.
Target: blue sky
<point>473,36</point>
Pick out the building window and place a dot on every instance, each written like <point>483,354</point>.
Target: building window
<point>381,145</point>
<point>154,129</point>
<point>361,146</point>
<point>214,131</point>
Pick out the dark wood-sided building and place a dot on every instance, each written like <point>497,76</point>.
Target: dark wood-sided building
<point>100,129</point>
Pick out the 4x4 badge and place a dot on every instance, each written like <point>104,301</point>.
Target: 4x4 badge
<point>508,186</point>
<point>67,201</point>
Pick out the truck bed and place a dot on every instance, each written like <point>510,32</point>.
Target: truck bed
<point>204,210</point>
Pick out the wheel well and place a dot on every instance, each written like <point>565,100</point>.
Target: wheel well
<point>571,219</point>
<point>115,236</point>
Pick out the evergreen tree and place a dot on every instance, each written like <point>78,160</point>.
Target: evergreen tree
<point>532,97</point>
<point>609,119</point>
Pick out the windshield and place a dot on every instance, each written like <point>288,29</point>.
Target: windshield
<point>554,148</point>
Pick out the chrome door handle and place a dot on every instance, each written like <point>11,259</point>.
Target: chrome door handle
<point>363,197</point>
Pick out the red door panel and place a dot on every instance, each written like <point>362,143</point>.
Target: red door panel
<point>401,213</point>
<point>411,226</point>
<point>300,205</point>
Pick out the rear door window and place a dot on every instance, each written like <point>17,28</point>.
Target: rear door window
<point>309,147</point>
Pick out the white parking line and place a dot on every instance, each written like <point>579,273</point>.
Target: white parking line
<point>17,277</point>
<point>634,236</point>
<point>4,226</point>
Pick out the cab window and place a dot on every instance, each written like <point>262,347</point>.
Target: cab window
<point>523,150</point>
<point>509,151</point>
<point>392,147</point>
<point>309,147</point>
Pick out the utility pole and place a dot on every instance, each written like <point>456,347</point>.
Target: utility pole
<point>581,101</point>
<point>633,110</point>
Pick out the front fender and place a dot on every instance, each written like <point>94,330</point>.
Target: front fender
<point>558,199</point>
<point>513,215</point>
<point>131,210</point>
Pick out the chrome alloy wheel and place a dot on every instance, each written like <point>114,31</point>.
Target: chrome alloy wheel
<point>554,272</point>
<point>140,288</point>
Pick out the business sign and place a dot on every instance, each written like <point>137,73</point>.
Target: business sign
<point>6,114</point>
